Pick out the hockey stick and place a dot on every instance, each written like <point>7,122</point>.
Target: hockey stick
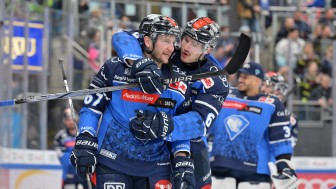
<point>232,67</point>
<point>65,79</point>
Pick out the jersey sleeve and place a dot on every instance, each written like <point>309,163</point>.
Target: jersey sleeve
<point>126,46</point>
<point>180,146</point>
<point>94,104</point>
<point>210,95</point>
<point>279,131</point>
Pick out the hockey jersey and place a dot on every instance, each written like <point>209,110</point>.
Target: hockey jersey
<point>118,149</point>
<point>249,132</point>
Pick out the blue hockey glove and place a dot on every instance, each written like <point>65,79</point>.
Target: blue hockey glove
<point>149,125</point>
<point>282,175</point>
<point>83,155</point>
<point>148,76</point>
<point>183,173</point>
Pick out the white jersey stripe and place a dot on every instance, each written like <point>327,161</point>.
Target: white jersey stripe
<point>207,104</point>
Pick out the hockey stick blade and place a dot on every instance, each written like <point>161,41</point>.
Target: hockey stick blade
<point>232,67</point>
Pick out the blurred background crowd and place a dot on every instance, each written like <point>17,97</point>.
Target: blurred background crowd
<point>293,38</point>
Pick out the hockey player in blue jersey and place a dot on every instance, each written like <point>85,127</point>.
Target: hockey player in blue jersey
<point>276,84</point>
<point>198,39</point>
<point>109,148</point>
<point>250,139</point>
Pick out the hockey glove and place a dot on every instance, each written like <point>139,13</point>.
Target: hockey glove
<point>83,155</point>
<point>148,76</point>
<point>282,175</point>
<point>149,125</point>
<point>183,173</point>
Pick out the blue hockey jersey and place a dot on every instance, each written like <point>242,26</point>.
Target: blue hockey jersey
<point>118,149</point>
<point>250,132</point>
<point>208,93</point>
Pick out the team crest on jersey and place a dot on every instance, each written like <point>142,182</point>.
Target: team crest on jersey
<point>179,86</point>
<point>208,82</point>
<point>163,184</point>
<point>137,96</point>
<point>266,99</point>
<point>235,124</point>
<point>114,185</point>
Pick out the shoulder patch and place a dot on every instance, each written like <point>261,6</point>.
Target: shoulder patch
<point>179,86</point>
<point>208,82</point>
<point>266,99</point>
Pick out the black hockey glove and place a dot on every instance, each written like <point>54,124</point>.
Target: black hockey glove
<point>183,173</point>
<point>282,175</point>
<point>148,76</point>
<point>149,125</point>
<point>83,155</point>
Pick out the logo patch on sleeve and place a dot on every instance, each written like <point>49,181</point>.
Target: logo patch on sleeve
<point>208,82</point>
<point>266,99</point>
<point>179,86</point>
<point>164,103</point>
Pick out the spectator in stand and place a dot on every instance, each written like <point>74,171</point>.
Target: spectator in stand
<point>329,19</point>
<point>304,28</point>
<point>326,64</point>
<point>93,50</point>
<point>283,32</point>
<point>225,47</point>
<point>288,50</point>
<point>316,32</point>
<point>308,55</point>
<point>309,80</point>
<point>321,43</point>
<point>322,93</point>
<point>249,13</point>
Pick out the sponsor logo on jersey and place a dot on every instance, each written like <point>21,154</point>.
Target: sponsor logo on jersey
<point>234,104</point>
<point>163,184</point>
<point>127,71</point>
<point>179,86</point>
<point>108,154</point>
<point>266,99</point>
<point>137,96</point>
<point>283,113</point>
<point>164,103</point>
<point>114,185</point>
<point>235,124</point>
<point>208,82</point>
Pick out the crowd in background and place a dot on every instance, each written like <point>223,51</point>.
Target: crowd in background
<point>301,44</point>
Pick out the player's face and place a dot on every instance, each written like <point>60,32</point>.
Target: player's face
<point>164,47</point>
<point>247,82</point>
<point>191,50</point>
<point>267,88</point>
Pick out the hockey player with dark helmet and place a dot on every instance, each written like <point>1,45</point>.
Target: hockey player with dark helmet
<point>158,36</point>
<point>198,39</point>
<point>205,32</point>
<point>154,25</point>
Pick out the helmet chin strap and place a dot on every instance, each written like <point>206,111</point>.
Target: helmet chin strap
<point>151,51</point>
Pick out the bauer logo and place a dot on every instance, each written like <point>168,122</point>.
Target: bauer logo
<point>163,184</point>
<point>114,185</point>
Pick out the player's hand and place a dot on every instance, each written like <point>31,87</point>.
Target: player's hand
<point>282,175</point>
<point>149,125</point>
<point>183,173</point>
<point>148,76</point>
<point>83,155</point>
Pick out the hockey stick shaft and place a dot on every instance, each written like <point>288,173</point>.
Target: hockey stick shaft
<point>232,67</point>
<point>65,79</point>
